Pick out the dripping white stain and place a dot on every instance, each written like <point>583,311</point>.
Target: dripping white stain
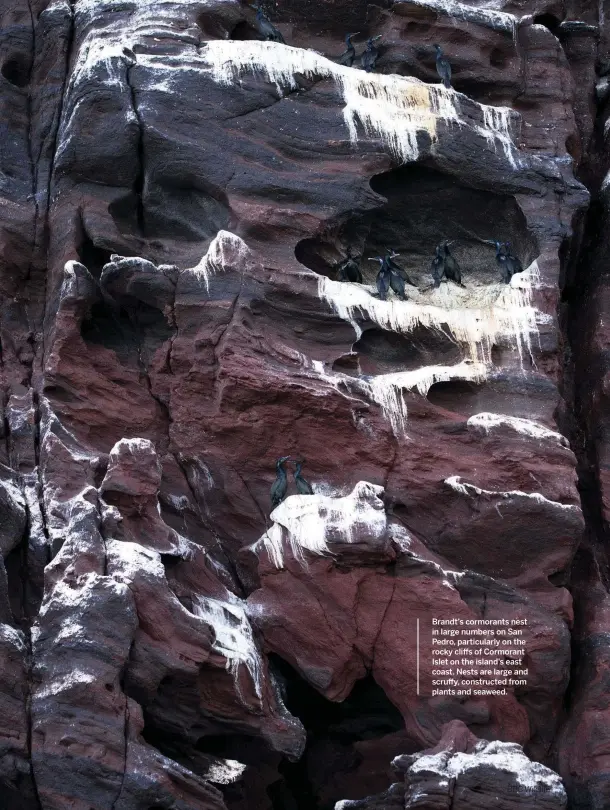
<point>233,637</point>
<point>393,108</point>
<point>224,249</point>
<point>470,490</point>
<point>476,317</point>
<point>312,523</point>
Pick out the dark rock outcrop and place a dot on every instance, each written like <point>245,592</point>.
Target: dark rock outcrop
<point>177,197</point>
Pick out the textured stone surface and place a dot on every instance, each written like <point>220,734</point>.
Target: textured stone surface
<point>176,198</point>
<point>462,772</point>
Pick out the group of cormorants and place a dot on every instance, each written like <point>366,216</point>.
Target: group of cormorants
<point>367,59</point>
<point>444,266</point>
<point>279,488</point>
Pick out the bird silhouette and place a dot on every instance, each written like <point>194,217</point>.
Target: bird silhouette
<point>303,486</point>
<point>443,68</point>
<point>280,485</point>
<point>349,54</point>
<point>383,277</point>
<point>438,266</point>
<point>369,58</point>
<point>265,27</point>
<point>452,268</point>
<point>349,269</point>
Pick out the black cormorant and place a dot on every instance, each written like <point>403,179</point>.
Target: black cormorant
<point>514,263</point>
<point>280,485</point>
<point>303,486</point>
<point>443,68</point>
<point>395,268</point>
<point>383,277</point>
<point>438,266</point>
<point>349,54</point>
<point>509,264</point>
<point>369,58</point>
<point>452,268</point>
<point>349,269</point>
<point>502,260</point>
<point>265,27</point>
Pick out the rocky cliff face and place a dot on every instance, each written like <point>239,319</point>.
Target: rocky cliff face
<point>176,198</point>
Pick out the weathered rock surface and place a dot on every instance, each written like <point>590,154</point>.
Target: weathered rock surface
<point>462,772</point>
<point>176,198</point>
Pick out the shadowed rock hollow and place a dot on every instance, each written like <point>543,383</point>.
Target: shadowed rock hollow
<point>177,197</point>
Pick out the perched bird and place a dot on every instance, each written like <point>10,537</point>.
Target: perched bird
<point>383,277</point>
<point>265,27</point>
<point>369,58</point>
<point>509,264</point>
<point>280,485</point>
<point>452,268</point>
<point>395,268</point>
<point>303,486</point>
<point>443,68</point>
<point>438,266</point>
<point>349,54</point>
<point>349,269</point>
<point>502,260</point>
<point>514,263</point>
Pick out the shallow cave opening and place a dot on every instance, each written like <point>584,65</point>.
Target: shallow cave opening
<point>133,330</point>
<point>318,780</point>
<point>460,396</point>
<point>423,208</point>
<point>550,21</point>
<point>16,70</point>
<point>111,327</point>
<point>244,31</point>
<point>93,257</point>
<point>382,352</point>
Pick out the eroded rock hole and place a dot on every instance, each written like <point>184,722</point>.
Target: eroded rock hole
<point>509,392</point>
<point>93,257</point>
<point>424,207</point>
<point>134,330</point>
<point>457,395</point>
<point>550,21</point>
<point>382,352</point>
<point>328,769</point>
<point>111,327</point>
<point>16,70</point>
<point>244,31</point>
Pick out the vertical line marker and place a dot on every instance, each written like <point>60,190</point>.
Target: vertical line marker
<point>418,656</point>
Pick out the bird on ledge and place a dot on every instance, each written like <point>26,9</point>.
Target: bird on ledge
<point>303,486</point>
<point>265,27</point>
<point>443,68</point>
<point>280,485</point>
<point>349,54</point>
<point>369,58</point>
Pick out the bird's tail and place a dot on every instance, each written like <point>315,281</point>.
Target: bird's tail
<point>447,83</point>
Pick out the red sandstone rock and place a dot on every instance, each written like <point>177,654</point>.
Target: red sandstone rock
<point>170,325</point>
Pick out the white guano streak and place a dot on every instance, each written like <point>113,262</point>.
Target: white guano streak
<point>309,523</point>
<point>224,249</point>
<point>233,636</point>
<point>476,317</point>
<point>386,389</point>
<point>393,108</point>
<point>470,490</point>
